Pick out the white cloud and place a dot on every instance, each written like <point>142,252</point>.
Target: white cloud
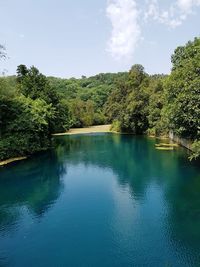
<point>127,18</point>
<point>174,16</point>
<point>187,5</point>
<point>124,16</point>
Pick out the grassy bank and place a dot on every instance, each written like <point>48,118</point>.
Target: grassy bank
<point>87,130</point>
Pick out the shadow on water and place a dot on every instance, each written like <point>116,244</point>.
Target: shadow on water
<point>33,184</point>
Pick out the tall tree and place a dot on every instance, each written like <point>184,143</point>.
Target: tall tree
<point>183,91</point>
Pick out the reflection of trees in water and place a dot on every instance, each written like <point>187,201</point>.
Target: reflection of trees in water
<point>183,197</point>
<point>3,262</point>
<point>137,164</point>
<point>134,160</point>
<point>34,184</point>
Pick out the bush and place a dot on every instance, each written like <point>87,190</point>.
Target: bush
<point>116,126</point>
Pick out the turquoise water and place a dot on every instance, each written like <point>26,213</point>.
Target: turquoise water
<point>101,200</point>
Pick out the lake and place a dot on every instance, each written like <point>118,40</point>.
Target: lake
<point>101,200</point>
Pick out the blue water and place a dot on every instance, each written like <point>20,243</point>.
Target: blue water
<point>101,200</point>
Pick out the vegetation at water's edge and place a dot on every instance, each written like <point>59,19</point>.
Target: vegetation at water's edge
<point>33,106</point>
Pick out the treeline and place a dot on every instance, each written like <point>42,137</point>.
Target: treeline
<point>30,111</point>
<point>33,106</point>
<point>159,104</point>
<point>86,97</point>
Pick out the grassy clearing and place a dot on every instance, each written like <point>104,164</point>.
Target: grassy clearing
<point>92,129</point>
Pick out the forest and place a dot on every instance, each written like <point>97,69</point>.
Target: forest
<point>33,106</point>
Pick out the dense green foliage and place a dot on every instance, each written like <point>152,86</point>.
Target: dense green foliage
<point>136,104</point>
<point>87,97</point>
<point>33,106</point>
<point>183,91</point>
<point>30,110</point>
<point>159,104</point>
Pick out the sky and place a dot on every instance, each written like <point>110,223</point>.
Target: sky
<point>66,38</point>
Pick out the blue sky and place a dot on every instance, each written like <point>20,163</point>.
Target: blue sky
<point>72,38</point>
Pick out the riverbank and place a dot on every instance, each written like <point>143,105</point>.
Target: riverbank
<point>87,130</point>
<point>187,143</point>
<point>76,131</point>
<point>8,161</point>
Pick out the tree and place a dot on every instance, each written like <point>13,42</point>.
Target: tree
<point>33,84</point>
<point>157,125</point>
<point>128,104</point>
<point>22,71</point>
<point>28,121</point>
<point>183,91</point>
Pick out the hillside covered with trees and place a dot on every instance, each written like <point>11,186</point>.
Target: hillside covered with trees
<point>33,106</point>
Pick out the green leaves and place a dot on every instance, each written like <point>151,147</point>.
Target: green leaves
<point>80,92</point>
<point>183,91</point>
<point>30,114</point>
<point>128,104</point>
<point>196,150</point>
<point>135,102</point>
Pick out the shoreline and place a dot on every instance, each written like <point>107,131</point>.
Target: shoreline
<point>79,131</point>
<point>73,131</point>
<point>87,130</point>
<point>9,161</point>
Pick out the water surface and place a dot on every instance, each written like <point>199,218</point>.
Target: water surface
<point>101,200</point>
